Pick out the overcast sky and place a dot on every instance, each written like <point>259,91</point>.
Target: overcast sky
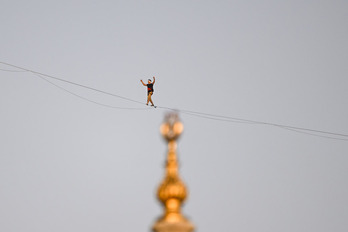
<point>70,165</point>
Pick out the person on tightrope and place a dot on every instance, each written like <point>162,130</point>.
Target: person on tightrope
<point>149,90</point>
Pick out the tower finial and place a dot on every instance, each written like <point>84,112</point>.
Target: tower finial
<point>172,191</point>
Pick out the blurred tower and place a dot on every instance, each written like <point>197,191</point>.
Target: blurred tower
<point>172,191</point>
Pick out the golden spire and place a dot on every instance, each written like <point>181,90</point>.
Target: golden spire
<point>172,191</point>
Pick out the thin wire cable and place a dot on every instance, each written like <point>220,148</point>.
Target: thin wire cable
<point>7,70</point>
<point>278,126</point>
<point>214,116</point>
<point>216,119</point>
<point>282,127</point>
<point>316,135</point>
<point>195,113</point>
<point>86,99</point>
<point>73,83</point>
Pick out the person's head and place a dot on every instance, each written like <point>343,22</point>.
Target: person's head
<point>149,81</point>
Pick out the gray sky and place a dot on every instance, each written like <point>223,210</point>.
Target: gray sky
<point>69,165</point>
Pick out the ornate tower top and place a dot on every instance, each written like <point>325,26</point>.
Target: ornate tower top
<point>172,191</point>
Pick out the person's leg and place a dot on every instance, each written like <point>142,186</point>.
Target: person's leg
<point>149,98</point>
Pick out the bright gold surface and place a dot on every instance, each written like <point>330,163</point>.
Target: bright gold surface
<point>172,191</point>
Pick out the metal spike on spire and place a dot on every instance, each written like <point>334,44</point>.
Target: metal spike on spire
<point>172,191</point>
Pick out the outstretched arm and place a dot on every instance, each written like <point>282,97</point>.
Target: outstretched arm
<point>154,79</point>
<point>143,83</point>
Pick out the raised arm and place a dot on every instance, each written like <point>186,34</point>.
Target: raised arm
<point>143,83</point>
<point>154,79</point>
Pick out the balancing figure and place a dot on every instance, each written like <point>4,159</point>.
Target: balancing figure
<point>149,91</point>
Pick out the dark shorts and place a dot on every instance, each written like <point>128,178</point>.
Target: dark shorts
<point>149,92</point>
